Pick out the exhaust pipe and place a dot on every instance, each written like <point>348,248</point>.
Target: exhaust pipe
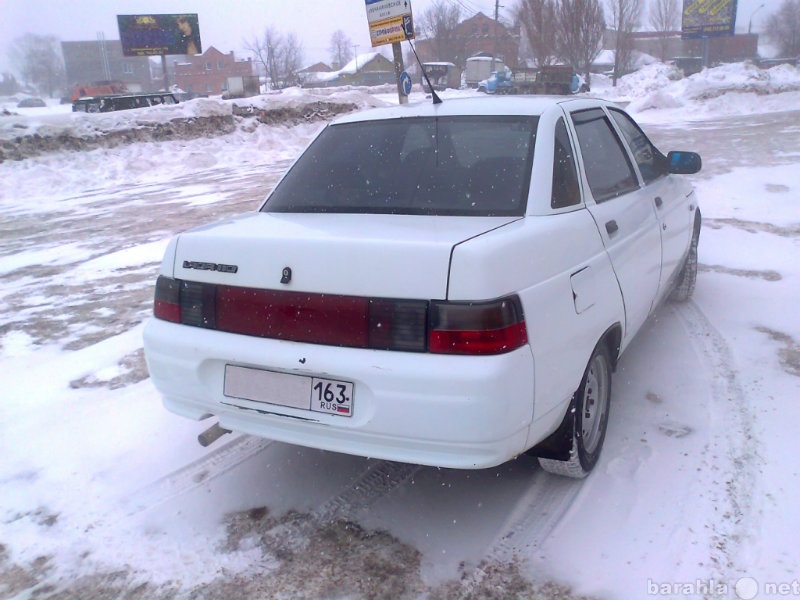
<point>211,435</point>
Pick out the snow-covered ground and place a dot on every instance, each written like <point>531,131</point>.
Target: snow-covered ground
<point>104,494</point>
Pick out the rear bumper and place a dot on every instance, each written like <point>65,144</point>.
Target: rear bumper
<point>447,411</point>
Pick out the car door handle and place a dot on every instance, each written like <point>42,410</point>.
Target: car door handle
<point>612,227</point>
<point>659,202</point>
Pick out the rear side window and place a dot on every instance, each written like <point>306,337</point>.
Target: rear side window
<point>566,191</point>
<point>652,164</point>
<point>608,169</point>
<point>477,165</point>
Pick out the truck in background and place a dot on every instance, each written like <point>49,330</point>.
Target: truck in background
<point>559,80</point>
<point>100,88</point>
<point>243,86</point>
<point>442,75</point>
<point>479,68</point>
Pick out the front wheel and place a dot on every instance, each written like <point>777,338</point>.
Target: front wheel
<point>591,419</point>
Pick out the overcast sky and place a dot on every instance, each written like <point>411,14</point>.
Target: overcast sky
<point>225,25</point>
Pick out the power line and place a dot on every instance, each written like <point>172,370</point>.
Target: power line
<point>467,6</point>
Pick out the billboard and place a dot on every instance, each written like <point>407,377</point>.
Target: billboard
<point>390,21</point>
<point>156,35</point>
<point>708,18</point>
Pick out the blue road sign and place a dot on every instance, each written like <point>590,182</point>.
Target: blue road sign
<point>405,83</point>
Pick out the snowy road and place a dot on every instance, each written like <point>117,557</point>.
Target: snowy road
<point>104,494</point>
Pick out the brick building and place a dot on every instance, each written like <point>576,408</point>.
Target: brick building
<point>208,73</point>
<point>670,45</point>
<point>477,36</point>
<point>485,36</point>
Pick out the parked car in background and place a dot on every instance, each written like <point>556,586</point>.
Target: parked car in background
<point>122,102</point>
<point>31,103</point>
<point>447,285</point>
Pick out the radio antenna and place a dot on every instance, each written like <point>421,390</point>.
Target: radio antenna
<point>434,95</point>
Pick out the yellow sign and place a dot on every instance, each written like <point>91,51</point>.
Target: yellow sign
<point>390,21</point>
<point>390,31</point>
<point>706,18</point>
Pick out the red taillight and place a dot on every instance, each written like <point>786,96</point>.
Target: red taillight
<point>295,316</point>
<point>167,304</point>
<point>478,328</point>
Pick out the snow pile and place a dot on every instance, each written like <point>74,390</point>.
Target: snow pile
<point>640,83</point>
<point>732,89</point>
<point>30,133</point>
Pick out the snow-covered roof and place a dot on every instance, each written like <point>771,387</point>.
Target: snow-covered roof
<point>606,57</point>
<point>358,62</point>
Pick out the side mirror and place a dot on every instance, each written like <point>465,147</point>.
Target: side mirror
<point>684,163</point>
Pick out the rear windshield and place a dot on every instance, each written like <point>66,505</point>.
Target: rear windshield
<point>442,166</point>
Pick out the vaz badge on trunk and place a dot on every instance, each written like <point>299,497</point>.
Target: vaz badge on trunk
<point>207,266</point>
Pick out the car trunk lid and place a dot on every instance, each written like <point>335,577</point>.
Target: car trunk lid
<point>390,256</point>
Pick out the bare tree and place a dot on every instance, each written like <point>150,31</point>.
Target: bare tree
<point>438,25</point>
<point>281,56</point>
<point>664,19</point>
<point>580,26</point>
<point>625,17</point>
<point>291,59</point>
<point>341,48</point>
<point>8,84</point>
<point>38,61</point>
<point>537,19</point>
<point>783,28</point>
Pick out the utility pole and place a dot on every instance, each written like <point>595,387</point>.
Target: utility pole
<point>496,29</point>
<point>397,56</point>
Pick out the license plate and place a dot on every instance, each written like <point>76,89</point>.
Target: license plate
<point>317,394</point>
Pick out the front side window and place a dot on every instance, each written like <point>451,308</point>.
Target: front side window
<point>441,166</point>
<point>652,164</point>
<point>608,169</point>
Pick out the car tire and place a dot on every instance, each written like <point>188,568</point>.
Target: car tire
<point>684,286</point>
<point>591,407</point>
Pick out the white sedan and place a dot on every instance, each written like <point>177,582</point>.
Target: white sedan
<point>444,284</point>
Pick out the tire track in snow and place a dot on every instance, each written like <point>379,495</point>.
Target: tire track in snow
<point>198,473</point>
<point>536,514</point>
<point>539,511</point>
<point>376,481</point>
<point>733,438</point>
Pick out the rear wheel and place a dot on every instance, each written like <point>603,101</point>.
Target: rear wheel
<point>591,419</point>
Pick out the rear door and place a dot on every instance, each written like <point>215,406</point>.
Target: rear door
<point>623,211</point>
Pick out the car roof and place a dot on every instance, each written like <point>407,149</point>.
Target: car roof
<point>483,106</point>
